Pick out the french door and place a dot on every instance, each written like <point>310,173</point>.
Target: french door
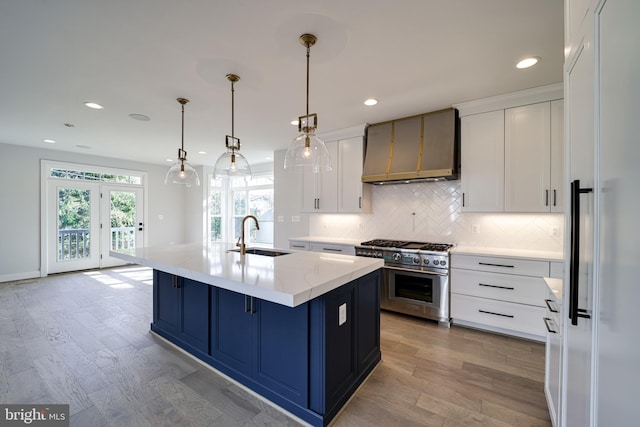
<point>73,226</point>
<point>87,219</point>
<point>121,216</point>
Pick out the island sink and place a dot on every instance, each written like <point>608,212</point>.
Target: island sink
<point>262,251</point>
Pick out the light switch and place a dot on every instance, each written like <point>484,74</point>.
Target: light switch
<point>342,314</point>
<point>280,218</point>
<point>295,218</point>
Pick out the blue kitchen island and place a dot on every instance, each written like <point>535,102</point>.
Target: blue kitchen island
<point>301,329</point>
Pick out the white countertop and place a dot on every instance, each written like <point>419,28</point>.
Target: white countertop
<point>335,240</point>
<point>506,252</point>
<point>289,280</point>
<point>555,285</point>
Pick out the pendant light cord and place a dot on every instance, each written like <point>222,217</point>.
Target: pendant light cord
<point>182,127</point>
<point>308,49</point>
<point>232,109</point>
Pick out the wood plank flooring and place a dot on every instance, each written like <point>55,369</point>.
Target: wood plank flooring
<point>83,338</point>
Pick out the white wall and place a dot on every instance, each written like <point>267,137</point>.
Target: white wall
<point>288,204</point>
<point>20,198</point>
<point>431,211</point>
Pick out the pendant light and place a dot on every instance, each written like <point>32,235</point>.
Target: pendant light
<point>232,163</point>
<point>307,151</point>
<point>182,172</point>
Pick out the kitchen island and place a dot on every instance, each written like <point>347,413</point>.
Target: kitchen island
<point>301,329</point>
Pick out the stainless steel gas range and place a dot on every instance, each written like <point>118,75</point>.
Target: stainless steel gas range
<point>416,277</point>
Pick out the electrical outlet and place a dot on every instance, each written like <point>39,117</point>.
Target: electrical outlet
<point>475,228</point>
<point>554,232</point>
<point>360,226</point>
<point>342,314</point>
<point>295,218</point>
<point>280,218</point>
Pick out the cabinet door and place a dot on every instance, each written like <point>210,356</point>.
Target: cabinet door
<point>231,340</point>
<point>527,158</point>
<point>321,189</point>
<point>368,309</point>
<point>166,301</point>
<point>350,190</point>
<point>281,353</point>
<point>557,156</point>
<point>482,162</point>
<point>194,325</point>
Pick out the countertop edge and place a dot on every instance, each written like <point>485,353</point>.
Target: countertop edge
<point>509,253</point>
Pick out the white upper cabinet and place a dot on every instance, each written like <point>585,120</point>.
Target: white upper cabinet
<point>527,150</point>
<point>320,189</point>
<point>482,160</point>
<point>353,195</point>
<point>557,180</point>
<point>341,189</point>
<point>534,158</point>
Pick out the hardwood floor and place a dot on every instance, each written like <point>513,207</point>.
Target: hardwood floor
<point>83,338</point>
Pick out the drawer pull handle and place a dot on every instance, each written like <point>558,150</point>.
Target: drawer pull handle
<point>548,321</point>
<point>551,309</point>
<point>497,314</point>
<point>297,246</point>
<point>332,249</point>
<point>496,265</point>
<point>496,286</point>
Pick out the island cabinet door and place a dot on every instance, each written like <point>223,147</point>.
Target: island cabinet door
<point>166,303</point>
<point>194,314</point>
<point>281,353</point>
<point>231,340</point>
<point>368,312</point>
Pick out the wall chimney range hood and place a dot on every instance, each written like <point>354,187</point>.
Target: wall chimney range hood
<point>418,148</point>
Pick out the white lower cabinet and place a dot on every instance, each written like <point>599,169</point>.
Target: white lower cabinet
<point>329,247</point>
<point>553,357</point>
<point>500,294</point>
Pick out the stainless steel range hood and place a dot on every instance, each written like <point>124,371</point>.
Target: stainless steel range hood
<point>417,148</point>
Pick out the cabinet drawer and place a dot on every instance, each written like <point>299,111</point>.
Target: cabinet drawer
<point>332,248</point>
<point>556,270</point>
<point>505,287</point>
<point>524,267</point>
<point>499,314</point>
<point>298,245</point>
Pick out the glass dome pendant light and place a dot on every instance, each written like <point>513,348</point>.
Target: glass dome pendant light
<point>307,151</point>
<point>232,163</point>
<point>182,172</point>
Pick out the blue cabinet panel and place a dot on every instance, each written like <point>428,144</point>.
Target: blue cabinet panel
<point>194,309</point>
<point>231,330</point>
<point>368,312</point>
<point>281,354</point>
<point>166,302</point>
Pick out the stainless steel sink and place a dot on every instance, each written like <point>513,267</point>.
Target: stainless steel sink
<point>262,251</point>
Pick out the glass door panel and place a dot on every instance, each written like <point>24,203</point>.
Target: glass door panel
<point>75,225</point>
<point>122,221</point>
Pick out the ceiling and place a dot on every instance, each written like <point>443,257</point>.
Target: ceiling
<point>137,57</point>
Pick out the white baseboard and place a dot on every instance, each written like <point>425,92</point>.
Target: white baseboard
<point>19,276</point>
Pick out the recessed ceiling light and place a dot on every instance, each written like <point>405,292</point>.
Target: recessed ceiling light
<point>202,152</point>
<point>370,101</point>
<point>169,160</point>
<point>294,122</point>
<point>528,62</point>
<point>94,105</point>
<point>49,141</point>
<point>140,117</point>
<point>84,147</point>
<point>268,158</point>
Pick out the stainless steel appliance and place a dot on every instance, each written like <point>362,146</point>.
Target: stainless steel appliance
<point>416,277</point>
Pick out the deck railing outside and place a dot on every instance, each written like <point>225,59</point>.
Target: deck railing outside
<point>76,243</point>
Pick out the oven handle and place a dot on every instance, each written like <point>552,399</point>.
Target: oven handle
<point>433,273</point>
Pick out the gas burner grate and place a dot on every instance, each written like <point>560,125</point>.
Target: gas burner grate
<point>382,243</point>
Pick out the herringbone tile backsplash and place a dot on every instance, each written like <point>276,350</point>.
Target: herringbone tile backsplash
<point>431,211</point>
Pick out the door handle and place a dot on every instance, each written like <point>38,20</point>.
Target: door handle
<point>140,227</point>
<point>574,263</point>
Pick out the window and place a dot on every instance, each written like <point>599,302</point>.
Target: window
<point>245,197</point>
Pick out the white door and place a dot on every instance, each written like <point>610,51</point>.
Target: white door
<point>581,148</point>
<point>73,226</point>
<point>121,221</point>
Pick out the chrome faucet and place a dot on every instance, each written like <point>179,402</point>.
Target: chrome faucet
<point>243,248</point>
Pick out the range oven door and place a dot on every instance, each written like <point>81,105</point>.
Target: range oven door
<point>418,293</point>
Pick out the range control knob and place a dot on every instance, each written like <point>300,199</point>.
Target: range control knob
<point>416,260</point>
<point>436,262</point>
<point>443,263</point>
<point>426,262</point>
<point>397,257</point>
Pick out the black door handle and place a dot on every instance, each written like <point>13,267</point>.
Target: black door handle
<point>574,264</point>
